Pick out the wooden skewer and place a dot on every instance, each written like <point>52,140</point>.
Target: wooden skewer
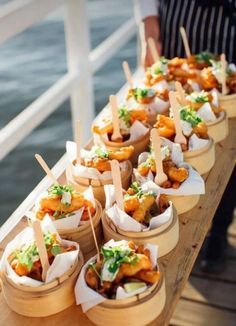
<point>116,176</point>
<point>128,74</point>
<point>223,63</point>
<point>156,142</point>
<point>181,93</point>
<point>179,137</point>
<point>116,135</point>
<point>94,235</point>
<point>78,140</point>
<point>46,168</point>
<point>153,49</point>
<point>43,255</point>
<point>185,41</point>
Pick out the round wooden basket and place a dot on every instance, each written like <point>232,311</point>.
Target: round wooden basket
<point>138,310</point>
<point>44,300</point>
<point>203,159</point>
<point>81,184</point>
<point>219,129</point>
<point>83,234</point>
<point>228,103</point>
<point>166,236</point>
<point>184,204</point>
<point>140,145</point>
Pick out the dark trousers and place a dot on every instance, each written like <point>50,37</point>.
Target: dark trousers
<point>225,210</point>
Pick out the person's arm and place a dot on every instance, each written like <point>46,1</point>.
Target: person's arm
<point>146,11</point>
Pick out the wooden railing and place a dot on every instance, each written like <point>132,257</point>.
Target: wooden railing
<point>76,84</point>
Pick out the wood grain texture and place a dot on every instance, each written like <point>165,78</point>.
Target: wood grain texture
<point>194,226</point>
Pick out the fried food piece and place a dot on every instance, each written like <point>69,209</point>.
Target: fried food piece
<point>92,276</point>
<point>143,169</point>
<point>176,62</point>
<point>53,203</point>
<point>128,270</point>
<point>208,80</point>
<point>201,130</point>
<point>102,164</point>
<point>122,154</point>
<point>105,127</point>
<point>138,114</point>
<point>146,202</point>
<point>177,174</point>
<point>165,126</point>
<point>163,203</point>
<point>148,276</point>
<point>131,204</point>
<point>231,82</point>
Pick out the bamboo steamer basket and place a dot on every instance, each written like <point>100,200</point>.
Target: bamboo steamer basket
<point>202,159</point>
<point>184,204</point>
<point>228,103</point>
<point>140,144</point>
<point>166,236</point>
<point>44,300</point>
<point>81,184</point>
<point>138,310</point>
<point>83,234</point>
<point>219,129</point>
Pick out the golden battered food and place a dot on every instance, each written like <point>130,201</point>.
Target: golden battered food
<point>26,262</point>
<point>122,264</point>
<point>63,200</point>
<point>127,116</point>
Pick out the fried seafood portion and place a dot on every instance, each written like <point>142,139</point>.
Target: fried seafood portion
<point>120,264</point>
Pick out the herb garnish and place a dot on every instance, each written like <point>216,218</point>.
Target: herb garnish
<point>190,115</point>
<point>101,152</point>
<point>199,97</point>
<point>124,114</point>
<point>65,191</point>
<point>204,56</point>
<point>140,93</point>
<point>28,254</point>
<point>115,256</point>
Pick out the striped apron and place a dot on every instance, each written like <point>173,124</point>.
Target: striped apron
<point>210,25</point>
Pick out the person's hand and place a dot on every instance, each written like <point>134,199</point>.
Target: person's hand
<point>151,29</point>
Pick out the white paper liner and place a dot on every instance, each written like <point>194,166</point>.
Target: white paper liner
<point>89,298</point>
<point>176,153</point>
<point>205,112</point>
<point>87,172</point>
<point>61,264</point>
<point>73,221</point>
<point>137,130</point>
<point>156,106</point>
<point>193,185</point>
<point>196,143</point>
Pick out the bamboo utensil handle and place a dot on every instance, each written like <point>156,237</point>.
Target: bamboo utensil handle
<point>224,64</point>
<point>185,41</point>
<point>156,142</point>
<point>116,176</point>
<point>179,137</point>
<point>116,135</point>
<point>94,234</point>
<point>128,74</point>
<point>78,140</point>
<point>181,93</point>
<point>43,255</point>
<point>46,168</point>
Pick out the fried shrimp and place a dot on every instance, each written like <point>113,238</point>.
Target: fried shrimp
<point>165,126</point>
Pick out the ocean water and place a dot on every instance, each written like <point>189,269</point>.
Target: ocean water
<point>29,64</point>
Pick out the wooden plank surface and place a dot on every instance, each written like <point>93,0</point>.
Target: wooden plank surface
<point>178,264</point>
<point>196,314</point>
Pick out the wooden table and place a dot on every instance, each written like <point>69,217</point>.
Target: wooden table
<point>194,226</point>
